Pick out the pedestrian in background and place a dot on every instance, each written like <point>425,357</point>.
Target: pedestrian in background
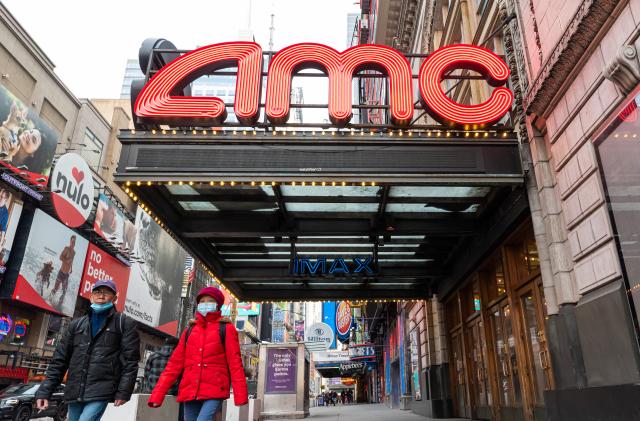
<point>208,358</point>
<point>100,353</point>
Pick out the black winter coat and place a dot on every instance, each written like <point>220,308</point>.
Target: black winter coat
<point>100,368</point>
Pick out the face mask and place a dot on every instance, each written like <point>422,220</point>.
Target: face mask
<point>205,308</point>
<point>99,308</point>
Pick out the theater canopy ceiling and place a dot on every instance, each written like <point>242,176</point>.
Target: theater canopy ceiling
<point>363,209</point>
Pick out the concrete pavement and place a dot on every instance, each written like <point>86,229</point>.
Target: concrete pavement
<point>372,412</point>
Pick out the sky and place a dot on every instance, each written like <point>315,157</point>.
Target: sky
<point>90,41</point>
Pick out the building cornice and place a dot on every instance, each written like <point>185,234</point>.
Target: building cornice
<point>25,38</point>
<point>583,29</point>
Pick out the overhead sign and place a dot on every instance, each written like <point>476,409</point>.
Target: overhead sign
<point>320,333</point>
<point>364,351</point>
<point>343,320</point>
<point>321,357</point>
<point>352,368</point>
<point>157,103</point>
<point>337,266</point>
<point>72,189</point>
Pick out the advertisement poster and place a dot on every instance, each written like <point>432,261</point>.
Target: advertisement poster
<point>52,266</point>
<point>281,370</point>
<point>10,210</point>
<point>112,225</point>
<point>27,143</point>
<point>243,309</point>
<point>299,329</point>
<point>155,283</point>
<point>72,190</point>
<point>277,325</point>
<point>101,265</point>
<point>415,365</point>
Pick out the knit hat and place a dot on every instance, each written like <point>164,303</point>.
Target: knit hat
<point>213,292</point>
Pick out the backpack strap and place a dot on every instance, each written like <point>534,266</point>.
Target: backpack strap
<point>186,336</point>
<point>223,332</point>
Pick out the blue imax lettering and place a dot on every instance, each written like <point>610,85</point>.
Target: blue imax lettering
<point>337,266</point>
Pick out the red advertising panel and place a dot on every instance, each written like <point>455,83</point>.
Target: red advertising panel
<point>101,265</point>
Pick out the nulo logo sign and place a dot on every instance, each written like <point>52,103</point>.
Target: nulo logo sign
<point>72,187</point>
<point>343,318</point>
<point>156,103</point>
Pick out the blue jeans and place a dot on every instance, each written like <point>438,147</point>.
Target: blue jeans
<point>87,411</point>
<point>201,410</point>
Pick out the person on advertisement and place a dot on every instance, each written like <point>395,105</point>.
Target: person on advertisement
<point>62,280</point>
<point>100,353</point>
<point>4,215</point>
<point>208,358</point>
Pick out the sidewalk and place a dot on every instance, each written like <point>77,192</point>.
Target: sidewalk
<point>372,412</point>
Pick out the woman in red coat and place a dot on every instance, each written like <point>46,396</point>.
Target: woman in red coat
<point>208,369</point>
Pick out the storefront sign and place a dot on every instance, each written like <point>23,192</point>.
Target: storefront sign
<point>352,368</point>
<point>343,320</point>
<point>338,266</point>
<point>320,333</point>
<point>72,189</point>
<point>330,356</point>
<point>156,103</point>
<point>363,351</point>
<point>22,187</point>
<point>281,370</point>
<point>101,265</point>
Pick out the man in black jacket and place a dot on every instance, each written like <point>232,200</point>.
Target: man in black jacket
<point>101,351</point>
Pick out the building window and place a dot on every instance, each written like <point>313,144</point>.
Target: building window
<point>618,151</point>
<point>92,152</point>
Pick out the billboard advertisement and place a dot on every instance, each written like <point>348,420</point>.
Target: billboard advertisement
<point>52,266</point>
<point>111,224</point>
<point>243,309</point>
<point>157,271</point>
<point>72,189</point>
<point>10,210</point>
<point>101,265</point>
<point>281,370</point>
<point>27,143</point>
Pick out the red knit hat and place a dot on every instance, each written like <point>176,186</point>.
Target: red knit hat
<point>212,292</point>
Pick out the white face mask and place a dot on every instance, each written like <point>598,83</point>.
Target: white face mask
<point>205,308</point>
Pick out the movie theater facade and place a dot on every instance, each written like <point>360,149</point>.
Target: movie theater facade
<point>419,198</point>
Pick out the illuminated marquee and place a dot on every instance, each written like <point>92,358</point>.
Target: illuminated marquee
<point>159,102</point>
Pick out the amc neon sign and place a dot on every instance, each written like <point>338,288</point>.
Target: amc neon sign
<point>158,103</point>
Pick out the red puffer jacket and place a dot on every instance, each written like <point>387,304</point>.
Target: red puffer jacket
<point>209,370</point>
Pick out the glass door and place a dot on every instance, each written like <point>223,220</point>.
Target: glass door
<point>534,314</point>
<point>478,370</point>
<point>459,373</point>
<point>506,360</point>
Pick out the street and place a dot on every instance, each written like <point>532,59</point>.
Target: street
<point>370,412</point>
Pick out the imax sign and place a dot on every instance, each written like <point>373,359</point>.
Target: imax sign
<point>338,266</point>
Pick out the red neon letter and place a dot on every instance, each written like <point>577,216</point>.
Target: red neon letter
<point>157,104</point>
<point>471,57</point>
<point>340,68</point>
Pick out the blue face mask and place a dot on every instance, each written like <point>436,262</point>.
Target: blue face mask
<point>206,308</point>
<point>99,308</point>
